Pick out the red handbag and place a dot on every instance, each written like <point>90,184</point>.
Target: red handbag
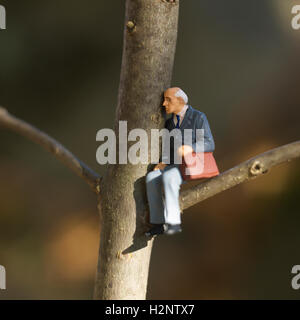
<point>199,165</point>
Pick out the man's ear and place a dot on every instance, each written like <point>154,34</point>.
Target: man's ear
<point>180,100</point>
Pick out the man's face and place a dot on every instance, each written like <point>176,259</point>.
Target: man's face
<point>171,103</point>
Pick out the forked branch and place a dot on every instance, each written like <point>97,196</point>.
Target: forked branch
<point>51,145</point>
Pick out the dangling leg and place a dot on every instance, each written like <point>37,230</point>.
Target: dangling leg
<point>156,203</point>
<point>172,181</point>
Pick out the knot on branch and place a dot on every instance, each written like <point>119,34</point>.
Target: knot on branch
<point>97,185</point>
<point>155,118</point>
<point>131,26</point>
<point>257,168</point>
<point>97,188</point>
<point>169,1</point>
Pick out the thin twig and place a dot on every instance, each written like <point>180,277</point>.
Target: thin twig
<point>59,151</point>
<point>245,171</point>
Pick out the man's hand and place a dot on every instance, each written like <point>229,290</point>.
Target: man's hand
<point>183,150</point>
<point>160,166</point>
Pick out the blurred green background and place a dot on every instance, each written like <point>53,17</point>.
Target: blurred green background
<point>239,63</point>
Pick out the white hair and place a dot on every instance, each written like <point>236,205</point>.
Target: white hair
<point>180,93</point>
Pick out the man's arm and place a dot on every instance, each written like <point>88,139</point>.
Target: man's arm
<point>209,144</point>
<point>164,159</point>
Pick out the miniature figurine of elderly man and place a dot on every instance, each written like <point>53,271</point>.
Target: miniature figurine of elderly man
<point>165,211</point>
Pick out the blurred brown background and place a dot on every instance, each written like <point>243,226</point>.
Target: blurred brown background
<point>59,70</point>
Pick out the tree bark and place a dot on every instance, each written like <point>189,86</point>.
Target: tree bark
<point>150,34</point>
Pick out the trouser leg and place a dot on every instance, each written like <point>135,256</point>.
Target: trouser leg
<point>155,196</point>
<point>172,180</point>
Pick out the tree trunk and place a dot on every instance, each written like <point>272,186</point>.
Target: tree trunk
<point>148,54</point>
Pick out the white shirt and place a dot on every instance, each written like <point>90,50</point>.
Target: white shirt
<point>181,114</point>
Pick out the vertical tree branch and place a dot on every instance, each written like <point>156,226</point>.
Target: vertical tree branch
<point>150,32</point>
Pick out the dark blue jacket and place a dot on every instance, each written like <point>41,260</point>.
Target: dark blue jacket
<point>193,119</point>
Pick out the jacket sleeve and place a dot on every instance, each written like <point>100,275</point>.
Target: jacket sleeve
<point>209,144</point>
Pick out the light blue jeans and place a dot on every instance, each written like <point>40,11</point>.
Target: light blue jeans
<point>164,209</point>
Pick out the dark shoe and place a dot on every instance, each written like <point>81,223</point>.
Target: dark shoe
<point>171,229</point>
<point>156,230</point>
